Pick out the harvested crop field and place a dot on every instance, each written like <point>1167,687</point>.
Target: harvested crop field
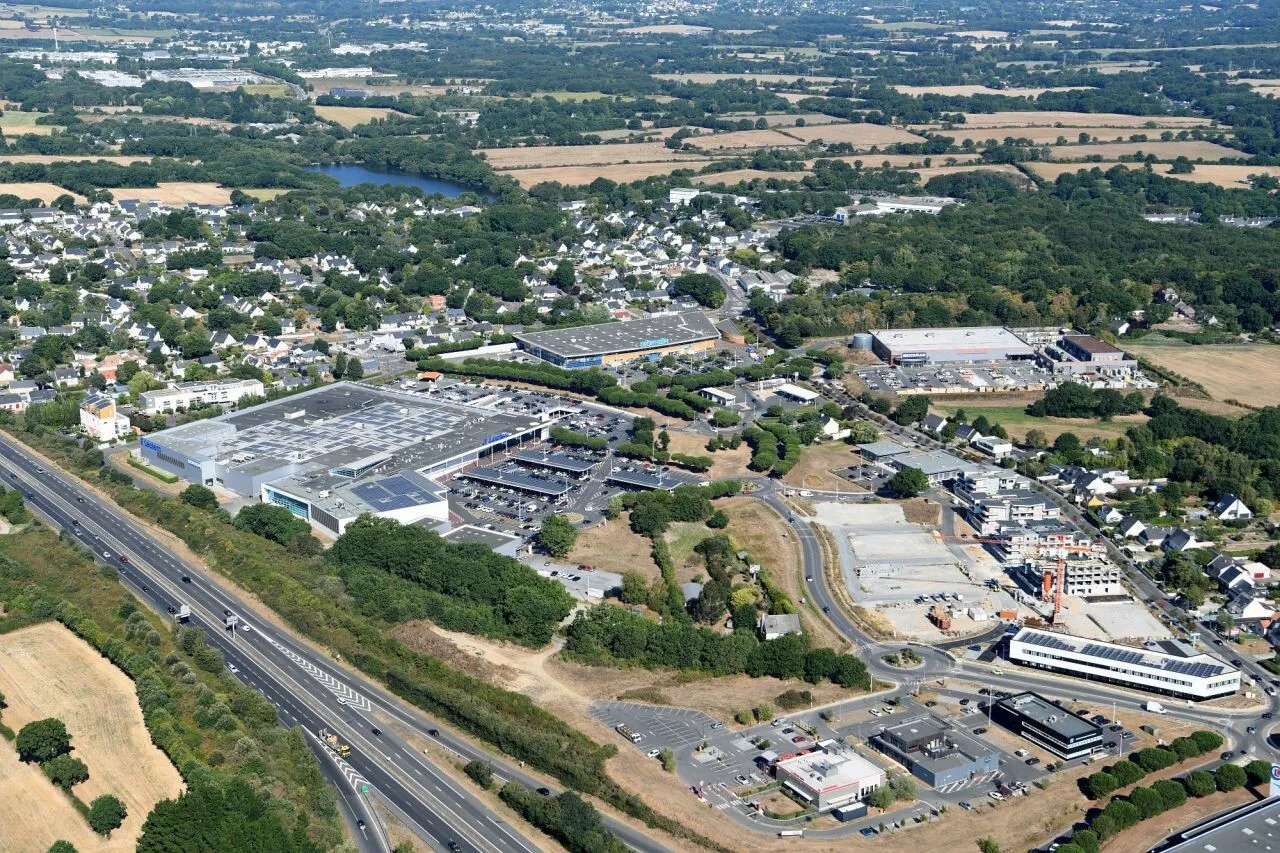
<point>900,161</point>
<point>72,158</point>
<point>42,190</point>
<point>666,29</point>
<point>744,175</point>
<point>349,117</point>
<point>864,134</point>
<point>1000,168</point>
<point>621,172</point>
<point>742,139</point>
<point>1013,118</point>
<point>46,671</point>
<point>1210,173</point>
<point>177,192</point>
<point>1226,372</point>
<point>25,129</point>
<point>967,91</point>
<point>1192,149</point>
<point>582,155</point>
<point>711,78</point>
<point>1038,135</point>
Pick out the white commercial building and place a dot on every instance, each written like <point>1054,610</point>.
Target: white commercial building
<point>831,777</point>
<point>100,419</point>
<point>184,395</point>
<point>1174,668</point>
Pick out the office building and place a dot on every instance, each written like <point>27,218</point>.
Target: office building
<point>1045,724</point>
<point>1170,667</point>
<point>936,753</point>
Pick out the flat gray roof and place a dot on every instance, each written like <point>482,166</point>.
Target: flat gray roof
<point>883,448</point>
<point>556,461</point>
<point>933,463</point>
<point>1253,826</point>
<point>956,338</point>
<point>608,338</point>
<point>1059,720</point>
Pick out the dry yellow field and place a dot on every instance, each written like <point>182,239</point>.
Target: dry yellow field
<point>713,77</point>
<point>25,129</point>
<point>1001,168</point>
<point>42,190</point>
<point>71,158</point>
<point>966,91</point>
<point>1014,118</point>
<point>863,134</point>
<point>620,172</point>
<point>177,192</point>
<point>900,161</point>
<point>1206,173</point>
<point>740,139</point>
<point>46,671</point>
<point>1192,149</point>
<point>666,29</point>
<point>349,117</point>
<point>582,155</point>
<point>740,175</point>
<point>1038,135</point>
<point>1226,372</point>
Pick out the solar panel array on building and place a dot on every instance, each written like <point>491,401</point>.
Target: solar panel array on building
<point>1179,673</point>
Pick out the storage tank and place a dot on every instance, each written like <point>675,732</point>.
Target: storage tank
<point>862,342</point>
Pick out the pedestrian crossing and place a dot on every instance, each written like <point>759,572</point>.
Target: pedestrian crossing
<point>344,693</point>
<point>982,779</point>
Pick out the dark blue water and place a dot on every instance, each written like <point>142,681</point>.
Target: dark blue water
<point>349,176</point>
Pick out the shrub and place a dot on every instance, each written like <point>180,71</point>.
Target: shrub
<point>1099,785</point>
<point>1258,772</point>
<point>199,497</point>
<point>1207,741</point>
<point>1126,772</point>
<point>1185,748</point>
<point>1123,813</point>
<point>1200,783</point>
<point>1229,777</point>
<point>1087,840</point>
<point>1173,794</point>
<point>1147,802</point>
<point>480,772</point>
<point>1152,759</point>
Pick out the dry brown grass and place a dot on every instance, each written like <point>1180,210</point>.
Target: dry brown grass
<point>178,193</point>
<point>46,671</point>
<point>900,161</point>
<point>1207,173</point>
<point>1245,373</point>
<point>42,190</point>
<point>737,176</point>
<point>349,117</point>
<point>621,172</point>
<point>614,548</point>
<point>921,511</point>
<point>1039,135</point>
<point>1192,149</point>
<point>582,155</point>
<point>967,91</point>
<point>817,464</point>
<point>70,158</point>
<point>999,168</point>
<point>742,139</point>
<point>1078,120</point>
<point>728,463</point>
<point>863,134</point>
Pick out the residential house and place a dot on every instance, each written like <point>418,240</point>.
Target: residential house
<point>1231,508</point>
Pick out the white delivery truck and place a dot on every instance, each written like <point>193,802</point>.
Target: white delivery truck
<point>1154,707</point>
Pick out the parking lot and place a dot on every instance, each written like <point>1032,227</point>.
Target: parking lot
<point>658,727</point>
<point>959,378</point>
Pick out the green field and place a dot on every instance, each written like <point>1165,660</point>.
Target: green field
<point>1018,423</point>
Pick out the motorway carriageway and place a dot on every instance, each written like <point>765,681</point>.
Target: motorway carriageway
<point>305,689</point>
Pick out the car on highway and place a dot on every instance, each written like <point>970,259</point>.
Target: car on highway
<point>1266,715</point>
<point>244,626</point>
<point>232,667</point>
<point>359,823</point>
<point>454,846</point>
<point>546,792</point>
<point>377,732</point>
<point>826,609</point>
<point>186,578</point>
<point>1226,756</point>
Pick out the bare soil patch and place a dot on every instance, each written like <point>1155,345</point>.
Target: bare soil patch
<point>1226,372</point>
<point>46,671</point>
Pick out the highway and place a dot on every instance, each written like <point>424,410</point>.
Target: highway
<point>308,689</point>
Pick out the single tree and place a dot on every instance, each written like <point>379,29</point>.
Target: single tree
<point>907,483</point>
<point>557,535</point>
<point>41,740</point>
<point>199,497</point>
<point>105,814</point>
<point>65,771</point>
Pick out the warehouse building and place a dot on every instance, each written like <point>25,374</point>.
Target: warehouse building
<point>1045,724</point>
<point>830,777</point>
<point>974,345</point>
<point>615,343</point>
<point>334,453</point>
<point>1173,669</point>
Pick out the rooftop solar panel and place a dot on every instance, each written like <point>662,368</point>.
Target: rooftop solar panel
<point>520,480</point>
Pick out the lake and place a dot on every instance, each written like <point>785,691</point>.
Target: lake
<point>350,175</point>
